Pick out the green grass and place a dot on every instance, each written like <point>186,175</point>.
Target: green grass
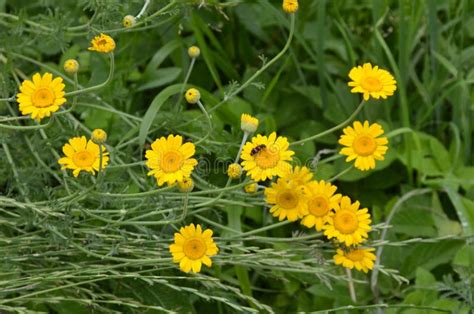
<point>70,245</point>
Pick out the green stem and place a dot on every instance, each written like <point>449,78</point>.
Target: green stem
<point>350,283</point>
<point>340,174</point>
<point>99,86</point>
<point>208,121</point>
<point>263,68</point>
<point>329,131</point>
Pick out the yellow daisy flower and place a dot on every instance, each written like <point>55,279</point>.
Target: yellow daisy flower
<point>299,175</point>
<point>361,259</point>
<point>42,96</point>
<point>321,200</point>
<point>83,155</point>
<point>192,247</point>
<point>266,157</point>
<point>170,160</point>
<point>372,82</point>
<point>102,43</point>
<point>289,201</point>
<point>363,144</point>
<point>348,224</point>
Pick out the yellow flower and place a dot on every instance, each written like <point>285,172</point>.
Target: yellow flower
<point>42,96</point>
<point>361,259</point>
<point>372,82</point>
<point>102,43</point>
<point>186,186</point>
<point>266,157</point>
<point>348,224</point>
<point>363,144</point>
<point>192,96</point>
<point>321,200</point>
<point>251,188</point>
<point>234,171</point>
<point>248,123</point>
<point>192,247</point>
<point>290,6</point>
<point>289,201</point>
<point>299,175</point>
<point>99,136</point>
<point>71,66</point>
<point>129,21</point>
<point>83,155</point>
<point>170,160</point>
<point>194,52</point>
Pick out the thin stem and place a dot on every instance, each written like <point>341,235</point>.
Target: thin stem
<point>208,121</point>
<point>100,171</point>
<point>263,68</point>
<point>337,127</point>
<point>9,99</point>
<point>244,139</point>
<point>351,285</point>
<point>142,11</point>
<point>340,174</point>
<point>99,86</point>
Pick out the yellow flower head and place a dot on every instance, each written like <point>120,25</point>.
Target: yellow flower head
<point>288,199</point>
<point>102,43</point>
<point>251,188</point>
<point>234,171</point>
<point>83,155</point>
<point>170,160</point>
<point>42,96</point>
<point>99,136</point>
<point>248,123</point>
<point>192,96</point>
<point>290,6</point>
<point>299,175</point>
<point>361,259</point>
<point>194,52</point>
<point>363,144</point>
<point>71,66</point>
<point>265,157</point>
<point>348,224</point>
<point>186,186</point>
<point>321,200</point>
<point>129,21</point>
<point>372,82</point>
<point>192,247</point>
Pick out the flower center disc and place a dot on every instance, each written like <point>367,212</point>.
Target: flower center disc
<point>171,161</point>
<point>102,42</point>
<point>43,97</point>
<point>355,255</point>
<point>267,158</point>
<point>194,248</point>
<point>318,206</point>
<point>371,84</point>
<point>83,159</point>
<point>345,221</point>
<point>287,199</point>
<point>364,145</point>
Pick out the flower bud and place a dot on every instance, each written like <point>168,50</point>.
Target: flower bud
<point>129,21</point>
<point>251,188</point>
<point>248,123</point>
<point>71,66</point>
<point>234,171</point>
<point>192,96</point>
<point>290,6</point>
<point>186,186</point>
<point>194,52</point>
<point>99,136</point>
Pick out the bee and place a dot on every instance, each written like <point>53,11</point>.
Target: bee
<point>257,149</point>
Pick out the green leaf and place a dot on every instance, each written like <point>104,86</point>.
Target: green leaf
<point>152,111</point>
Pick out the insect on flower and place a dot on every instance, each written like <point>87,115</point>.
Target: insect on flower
<point>257,149</point>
